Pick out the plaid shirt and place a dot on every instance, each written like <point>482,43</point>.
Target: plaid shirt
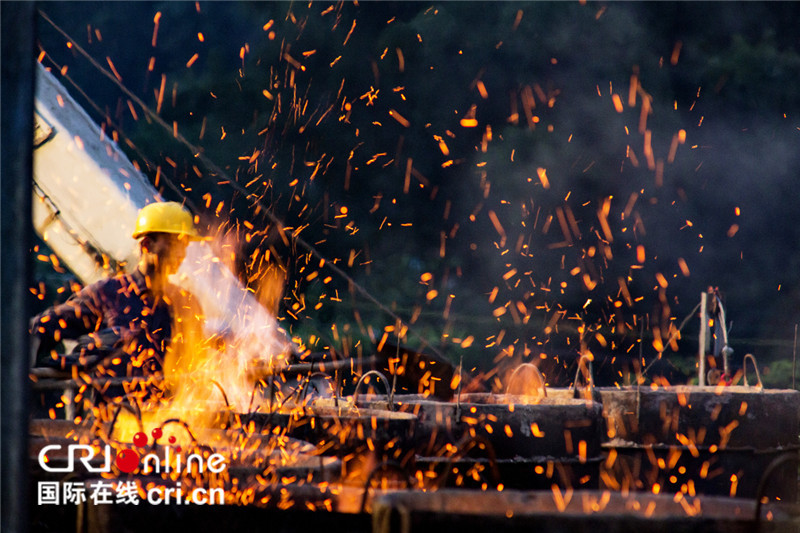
<point>126,320</point>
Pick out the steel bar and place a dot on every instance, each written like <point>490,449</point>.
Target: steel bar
<point>52,379</point>
<point>701,367</point>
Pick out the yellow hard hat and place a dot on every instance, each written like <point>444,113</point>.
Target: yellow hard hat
<point>165,217</point>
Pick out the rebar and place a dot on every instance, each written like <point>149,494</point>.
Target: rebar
<point>382,379</point>
<point>536,372</point>
<point>755,366</point>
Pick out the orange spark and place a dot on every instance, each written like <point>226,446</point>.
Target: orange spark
<point>659,173</point>
<point>602,215</point>
<point>497,226</point>
<point>133,111</point>
<point>482,90</point>
<point>673,148</point>
<point>634,87</point>
<point>160,98</point>
<point>407,181</point>
<point>493,295</point>
<point>353,27</point>
<point>528,104</point>
<point>640,256</point>
<point>562,221</point>
<point>156,20</point>
<point>676,52</point>
<point>399,118</point>
<point>617,103</point>
<point>517,20</point>
<point>648,150</point>
<point>113,69</point>
<point>292,61</point>
<point>560,500</point>
<point>623,288</point>
<point>646,110</point>
<point>543,177</point>
<point>683,266</point>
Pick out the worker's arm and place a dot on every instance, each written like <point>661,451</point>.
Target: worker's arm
<point>80,315</point>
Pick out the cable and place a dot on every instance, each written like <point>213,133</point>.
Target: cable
<point>671,338</point>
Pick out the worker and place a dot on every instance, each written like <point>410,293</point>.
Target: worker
<point>124,325</point>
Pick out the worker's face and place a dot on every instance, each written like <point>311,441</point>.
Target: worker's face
<point>164,252</point>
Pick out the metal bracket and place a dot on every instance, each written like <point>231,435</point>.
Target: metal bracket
<point>535,371</point>
<point>588,374</point>
<point>382,379</point>
<point>755,366</point>
<point>43,131</point>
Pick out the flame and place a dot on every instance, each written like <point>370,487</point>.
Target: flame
<point>215,359</point>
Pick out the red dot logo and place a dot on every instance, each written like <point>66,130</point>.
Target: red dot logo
<point>127,461</point>
<point>140,439</point>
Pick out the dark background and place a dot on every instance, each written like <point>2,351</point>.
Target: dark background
<point>521,272</point>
